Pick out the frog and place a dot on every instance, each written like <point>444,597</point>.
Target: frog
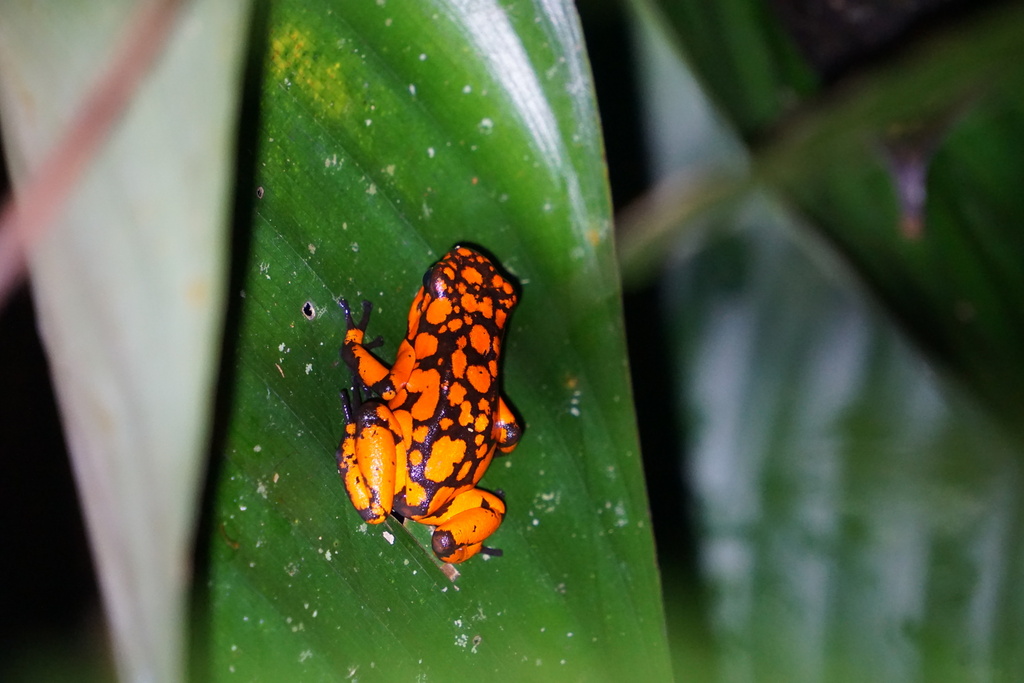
<point>431,423</point>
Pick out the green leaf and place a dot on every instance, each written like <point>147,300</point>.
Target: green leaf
<point>858,515</point>
<point>859,518</point>
<point>947,120</point>
<point>946,117</point>
<point>742,55</point>
<point>389,132</point>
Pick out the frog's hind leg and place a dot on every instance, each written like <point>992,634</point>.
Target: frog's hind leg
<point>464,524</point>
<point>367,457</point>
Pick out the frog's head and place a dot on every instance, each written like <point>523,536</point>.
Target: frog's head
<point>472,284</point>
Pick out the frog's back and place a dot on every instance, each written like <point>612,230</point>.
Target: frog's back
<point>456,328</point>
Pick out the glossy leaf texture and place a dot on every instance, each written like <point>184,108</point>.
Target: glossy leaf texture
<point>389,132</point>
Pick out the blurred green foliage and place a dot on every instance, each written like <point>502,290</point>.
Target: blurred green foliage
<point>843,301</point>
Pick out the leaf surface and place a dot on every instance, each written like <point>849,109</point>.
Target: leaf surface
<point>389,133</point>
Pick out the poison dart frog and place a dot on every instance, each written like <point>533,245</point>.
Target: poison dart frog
<point>421,445</point>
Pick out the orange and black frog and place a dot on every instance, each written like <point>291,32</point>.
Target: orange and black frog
<point>419,447</point>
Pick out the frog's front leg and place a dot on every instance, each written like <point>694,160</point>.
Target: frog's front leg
<point>367,457</point>
<point>464,524</point>
<point>372,373</point>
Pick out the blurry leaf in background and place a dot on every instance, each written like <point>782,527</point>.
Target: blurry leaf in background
<point>742,56</point>
<point>859,514</point>
<point>860,519</point>
<point>128,287</point>
<point>381,145</point>
<point>953,282</point>
<point>962,87</point>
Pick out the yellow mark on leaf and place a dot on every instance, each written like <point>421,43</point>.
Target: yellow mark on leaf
<point>309,69</point>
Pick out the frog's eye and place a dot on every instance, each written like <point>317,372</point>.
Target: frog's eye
<point>434,283</point>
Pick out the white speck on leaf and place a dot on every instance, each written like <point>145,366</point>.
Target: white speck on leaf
<point>621,518</point>
<point>546,502</point>
<point>574,403</point>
